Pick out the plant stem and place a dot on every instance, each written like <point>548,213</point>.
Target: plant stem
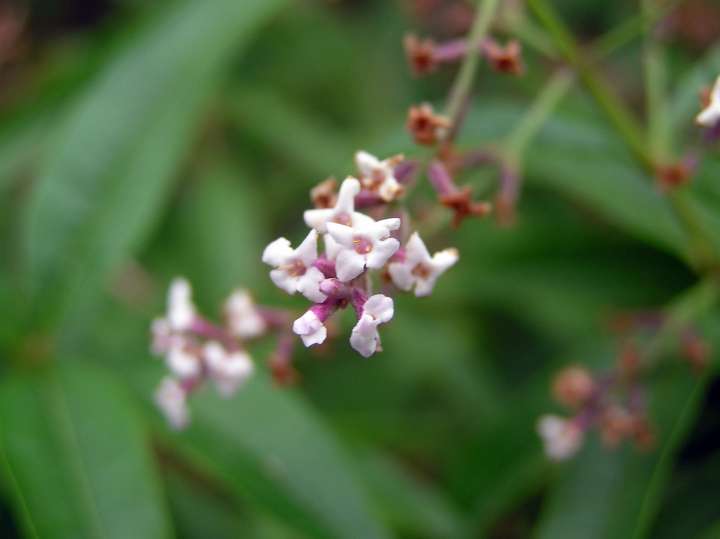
<point>623,121</point>
<point>463,83</point>
<point>549,97</point>
<point>688,307</point>
<point>659,130</point>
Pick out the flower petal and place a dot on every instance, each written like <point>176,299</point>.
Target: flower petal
<point>307,250</point>
<point>349,265</point>
<point>381,253</point>
<point>309,285</point>
<point>277,252</point>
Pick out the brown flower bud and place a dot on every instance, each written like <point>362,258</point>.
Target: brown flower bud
<point>573,386</point>
<point>506,59</point>
<point>425,126</point>
<point>324,194</point>
<point>420,54</point>
<point>462,204</point>
<point>616,424</point>
<point>673,175</point>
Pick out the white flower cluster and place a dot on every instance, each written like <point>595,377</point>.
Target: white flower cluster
<point>354,244</point>
<point>195,350</point>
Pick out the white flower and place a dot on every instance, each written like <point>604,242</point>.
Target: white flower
<point>365,245</point>
<point>710,115</point>
<point>243,318</point>
<point>310,329</point>
<point>171,398</point>
<point>228,370</point>
<point>180,309</point>
<point>419,269</point>
<point>378,309</point>
<point>294,270</point>
<point>561,438</point>
<point>163,338</point>
<point>379,176</point>
<point>343,212</point>
<point>183,363</point>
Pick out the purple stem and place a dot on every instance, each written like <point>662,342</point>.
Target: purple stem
<point>450,51</point>
<point>440,179</point>
<point>358,299</point>
<point>367,199</point>
<point>327,267</point>
<point>274,318</point>
<point>405,171</point>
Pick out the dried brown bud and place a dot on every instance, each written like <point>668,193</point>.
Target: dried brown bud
<point>425,126</point>
<point>506,59</point>
<point>420,54</point>
<point>573,386</point>
<point>283,373</point>
<point>643,434</point>
<point>696,352</point>
<point>324,194</point>
<point>616,424</point>
<point>462,204</point>
<point>673,175</point>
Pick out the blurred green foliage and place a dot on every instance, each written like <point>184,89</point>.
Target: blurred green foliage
<point>178,139</point>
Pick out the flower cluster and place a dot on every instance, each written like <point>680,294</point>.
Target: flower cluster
<point>355,244</point>
<point>614,402</point>
<point>196,350</point>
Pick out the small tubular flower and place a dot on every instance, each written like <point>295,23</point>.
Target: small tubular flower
<point>367,245</point>
<point>379,176</point>
<point>242,316</point>
<point>171,398</point>
<point>294,270</point>
<point>418,269</point>
<point>710,115</point>
<point>227,369</point>
<point>343,212</point>
<point>365,339</point>
<point>310,328</point>
<point>561,437</point>
<point>180,308</point>
<point>183,363</point>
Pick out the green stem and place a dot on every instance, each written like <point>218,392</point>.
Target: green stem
<point>549,97</point>
<point>463,83</point>
<point>621,119</point>
<point>659,127</point>
<point>693,304</point>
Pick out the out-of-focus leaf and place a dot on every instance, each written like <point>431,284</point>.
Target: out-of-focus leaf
<point>200,511</point>
<point>103,187</point>
<point>412,506</point>
<point>214,236</point>
<point>691,501</point>
<point>711,533</point>
<point>608,494</point>
<point>583,160</point>
<point>78,458</point>
<point>270,447</point>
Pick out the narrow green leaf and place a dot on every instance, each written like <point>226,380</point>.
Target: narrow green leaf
<point>103,186</point>
<point>271,448</point>
<point>78,457</point>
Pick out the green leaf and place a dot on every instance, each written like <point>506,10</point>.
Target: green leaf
<point>78,457</point>
<point>103,186</point>
<point>270,447</point>
<point>414,507</point>
<point>608,494</point>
